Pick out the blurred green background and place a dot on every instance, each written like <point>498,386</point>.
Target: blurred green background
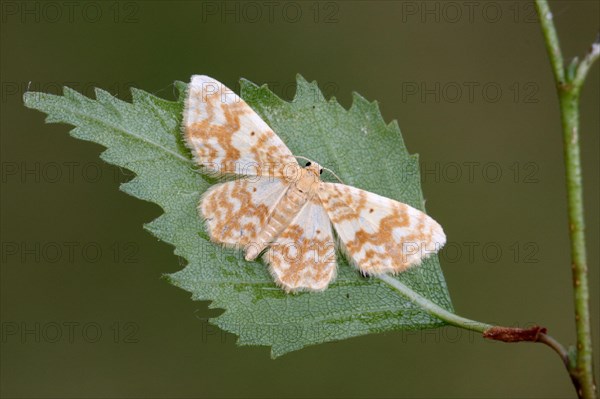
<point>84,310</point>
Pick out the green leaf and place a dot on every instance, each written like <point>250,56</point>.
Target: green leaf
<point>357,144</point>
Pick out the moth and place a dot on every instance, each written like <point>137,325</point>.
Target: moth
<point>276,207</point>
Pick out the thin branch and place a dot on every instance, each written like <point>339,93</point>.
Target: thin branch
<point>556,346</point>
<point>551,37</point>
<point>568,85</point>
<point>586,64</point>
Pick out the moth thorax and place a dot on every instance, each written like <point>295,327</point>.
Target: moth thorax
<point>308,181</point>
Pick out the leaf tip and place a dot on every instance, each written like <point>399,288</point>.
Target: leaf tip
<point>248,84</point>
<point>28,97</point>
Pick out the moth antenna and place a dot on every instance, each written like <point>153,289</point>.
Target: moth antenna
<point>336,176</point>
<point>301,157</point>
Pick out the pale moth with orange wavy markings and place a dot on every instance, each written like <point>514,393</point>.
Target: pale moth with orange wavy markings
<point>285,211</point>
